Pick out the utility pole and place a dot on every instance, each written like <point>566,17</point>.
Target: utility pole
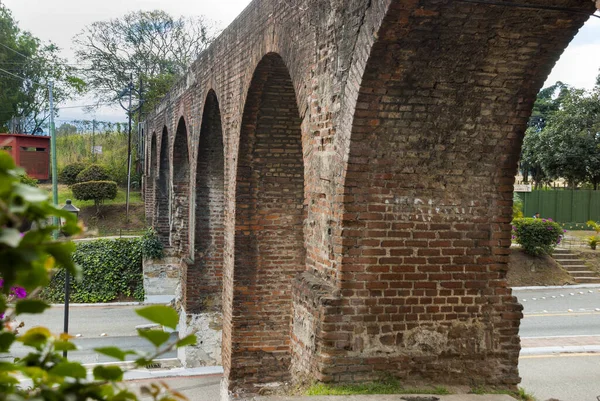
<point>93,140</point>
<point>53,150</point>
<point>130,86</point>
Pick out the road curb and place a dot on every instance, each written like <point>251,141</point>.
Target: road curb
<point>556,350</point>
<point>556,287</point>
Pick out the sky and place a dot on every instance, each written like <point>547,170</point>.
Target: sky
<point>60,20</point>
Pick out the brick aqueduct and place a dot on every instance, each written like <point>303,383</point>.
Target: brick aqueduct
<point>334,179</point>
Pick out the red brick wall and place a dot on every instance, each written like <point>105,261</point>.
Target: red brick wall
<point>180,206</point>
<point>150,181</point>
<point>406,120</point>
<point>269,247</point>
<point>162,217</point>
<point>205,276</point>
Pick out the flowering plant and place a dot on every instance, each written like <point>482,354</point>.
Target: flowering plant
<point>537,236</point>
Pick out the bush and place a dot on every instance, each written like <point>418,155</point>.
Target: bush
<point>112,268</point>
<point>98,191</point>
<point>152,247</point>
<point>93,172</point>
<point>27,180</point>
<point>537,236</point>
<point>69,174</point>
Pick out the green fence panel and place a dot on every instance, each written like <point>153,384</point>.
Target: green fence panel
<point>564,206</point>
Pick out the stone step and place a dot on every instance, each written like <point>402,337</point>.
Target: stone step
<point>582,273</point>
<point>569,262</point>
<point>576,268</point>
<point>588,280</point>
<point>558,251</point>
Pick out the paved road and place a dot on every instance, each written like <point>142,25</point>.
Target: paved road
<point>558,321</point>
<point>89,321</point>
<point>567,377</point>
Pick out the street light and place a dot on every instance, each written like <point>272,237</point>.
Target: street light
<point>71,209</point>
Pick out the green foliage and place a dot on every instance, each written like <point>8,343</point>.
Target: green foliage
<point>594,225</point>
<point>592,241</point>
<point>562,140</point>
<point>537,236</point>
<point>387,386</point>
<point>111,268</point>
<point>29,260</point>
<point>75,144</point>
<point>93,172</point>
<point>98,191</point>
<point>68,174</point>
<point>152,247</point>
<point>517,206</point>
<point>27,180</point>
<point>30,61</point>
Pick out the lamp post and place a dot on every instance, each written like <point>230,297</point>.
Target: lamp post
<point>71,209</point>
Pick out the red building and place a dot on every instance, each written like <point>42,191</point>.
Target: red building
<point>30,152</point>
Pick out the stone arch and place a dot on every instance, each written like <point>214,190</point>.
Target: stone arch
<point>181,190</point>
<point>206,275</point>
<point>269,243</point>
<point>162,216</point>
<point>435,140</point>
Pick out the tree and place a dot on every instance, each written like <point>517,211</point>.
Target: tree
<point>563,138</point>
<point>572,138</point>
<point>149,45</point>
<point>28,65</point>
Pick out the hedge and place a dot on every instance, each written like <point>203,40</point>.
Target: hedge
<point>111,269</point>
<point>97,191</point>
<point>537,236</point>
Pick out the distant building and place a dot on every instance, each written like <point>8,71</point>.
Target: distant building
<point>30,152</point>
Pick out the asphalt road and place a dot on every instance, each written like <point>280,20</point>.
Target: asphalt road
<point>566,377</point>
<point>556,320</point>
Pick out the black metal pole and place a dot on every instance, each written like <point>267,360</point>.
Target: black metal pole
<point>67,290</point>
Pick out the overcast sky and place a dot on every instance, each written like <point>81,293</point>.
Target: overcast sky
<point>60,20</point>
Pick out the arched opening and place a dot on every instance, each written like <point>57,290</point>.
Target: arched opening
<point>206,275</point>
<point>151,173</point>
<point>181,190</point>
<point>435,139</point>
<point>162,215</point>
<point>269,244</point>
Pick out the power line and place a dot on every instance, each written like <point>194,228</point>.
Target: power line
<point>13,50</point>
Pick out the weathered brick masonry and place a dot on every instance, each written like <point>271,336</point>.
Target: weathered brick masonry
<point>344,171</point>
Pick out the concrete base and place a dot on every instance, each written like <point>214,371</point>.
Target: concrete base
<point>161,278</point>
<point>208,328</point>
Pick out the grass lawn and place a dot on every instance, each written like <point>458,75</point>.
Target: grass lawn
<point>64,193</point>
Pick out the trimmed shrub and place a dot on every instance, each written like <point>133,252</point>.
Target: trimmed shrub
<point>98,191</point>
<point>111,269</point>
<point>93,172</point>
<point>537,236</point>
<point>68,175</point>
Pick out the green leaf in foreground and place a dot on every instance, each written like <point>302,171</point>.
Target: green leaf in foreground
<point>110,373</point>
<point>156,337</point>
<point>114,352</point>
<point>32,306</point>
<point>160,314</point>
<point>69,369</point>
<point>188,340</point>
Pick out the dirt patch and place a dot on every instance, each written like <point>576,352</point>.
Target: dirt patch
<point>526,270</point>
<point>111,220</point>
<point>591,258</point>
